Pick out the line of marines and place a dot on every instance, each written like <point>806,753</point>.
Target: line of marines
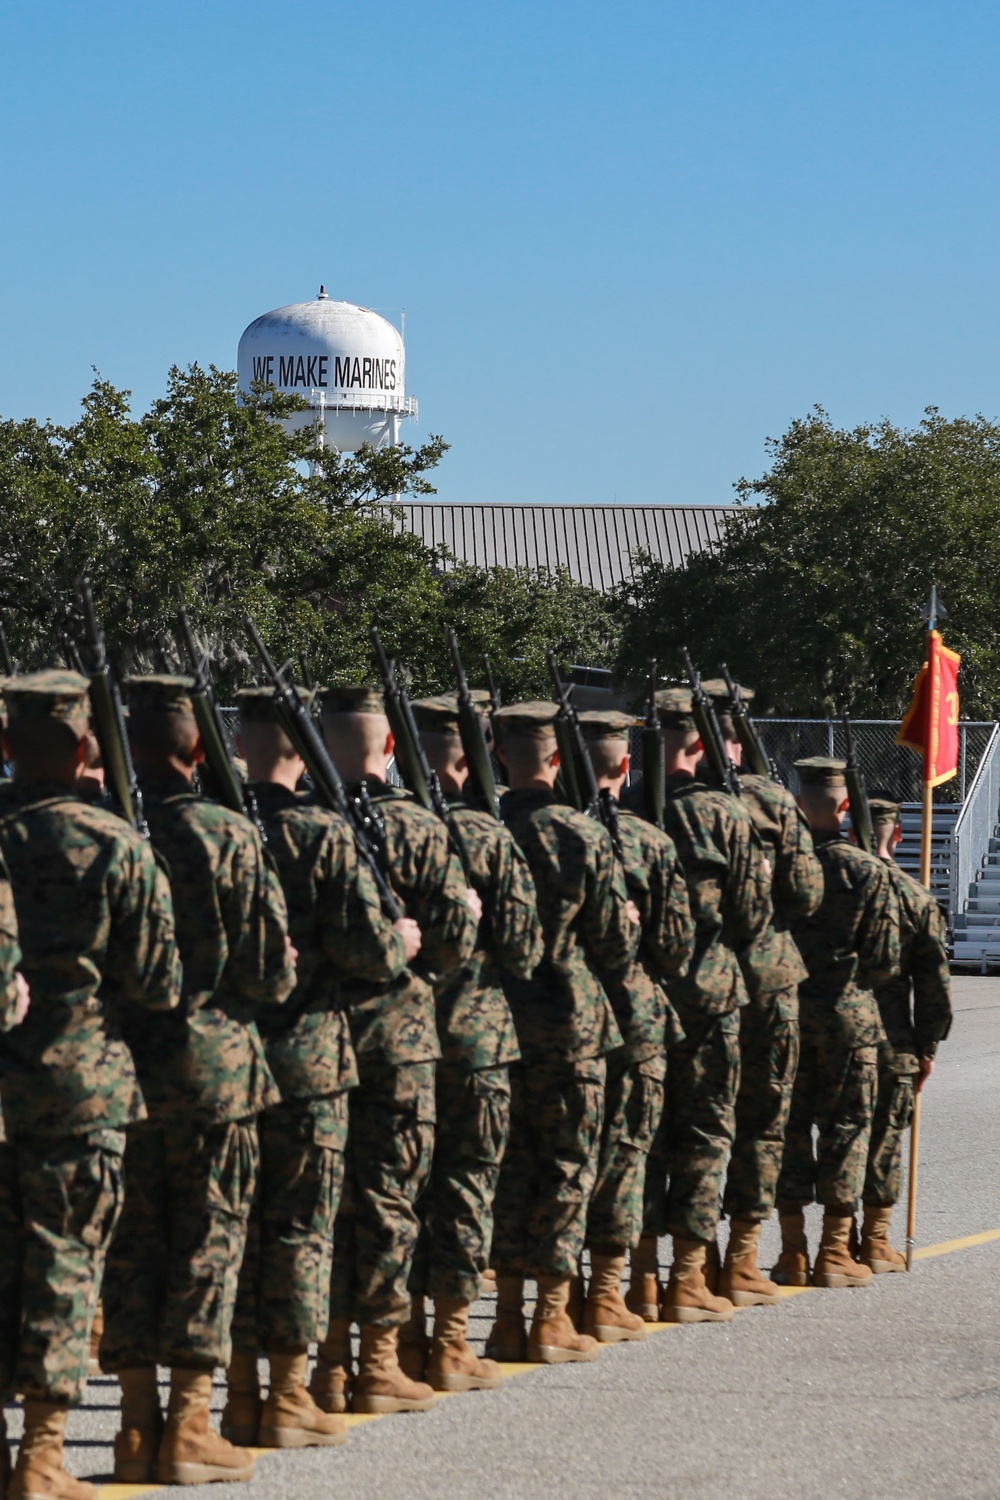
<point>249,1114</point>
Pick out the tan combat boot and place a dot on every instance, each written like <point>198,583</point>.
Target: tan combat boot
<point>645,1292</point>
<point>241,1413</point>
<point>552,1339</point>
<point>792,1268</point>
<point>291,1418</point>
<point>381,1385</point>
<point>835,1266</point>
<point>713,1266</point>
<point>687,1298</point>
<point>137,1443</point>
<point>96,1334</point>
<point>606,1318</point>
<point>191,1452</point>
<point>330,1386</point>
<point>876,1252</point>
<point>577,1301</point>
<point>742,1280</point>
<point>39,1473</point>
<point>453,1365</point>
<point>508,1340</point>
<point>414,1345</point>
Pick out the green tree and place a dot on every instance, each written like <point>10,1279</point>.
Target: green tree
<point>814,593</point>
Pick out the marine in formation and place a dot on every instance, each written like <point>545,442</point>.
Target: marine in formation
<point>295,1073</point>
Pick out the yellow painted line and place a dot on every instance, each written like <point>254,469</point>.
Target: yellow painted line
<point>512,1371</point>
<point>947,1246</point>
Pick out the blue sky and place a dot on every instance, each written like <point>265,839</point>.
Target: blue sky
<point>632,240</point>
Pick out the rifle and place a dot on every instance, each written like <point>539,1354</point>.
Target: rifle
<point>861,813</point>
<point>495,706</point>
<point>589,798</point>
<point>298,724</point>
<point>108,720</point>
<point>653,773</point>
<point>470,726</point>
<point>754,755</point>
<point>410,755</point>
<point>707,722</point>
<point>225,785</point>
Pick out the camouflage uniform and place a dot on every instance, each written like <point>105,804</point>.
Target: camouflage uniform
<point>848,945</point>
<point>191,1170</point>
<point>729,890</point>
<point>924,965</point>
<point>769,1023</point>
<point>392,1112</point>
<point>478,1041</point>
<point>96,927</point>
<point>636,1071</point>
<point>565,1028</point>
<point>338,929</point>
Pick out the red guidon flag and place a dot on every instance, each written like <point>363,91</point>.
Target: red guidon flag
<point>931,723</point>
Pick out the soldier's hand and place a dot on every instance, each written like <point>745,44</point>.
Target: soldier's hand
<point>409,931</point>
<point>23,1000</point>
<point>925,1068</point>
<point>633,913</point>
<point>472,900</point>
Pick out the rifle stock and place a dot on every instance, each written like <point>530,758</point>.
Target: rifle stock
<point>589,797</point>
<point>108,720</point>
<point>705,718</point>
<point>226,785</point>
<point>755,757</point>
<point>861,814</point>
<point>470,726</point>
<point>653,770</point>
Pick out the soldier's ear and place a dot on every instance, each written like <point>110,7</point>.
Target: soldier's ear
<point>623,769</point>
<point>390,744</point>
<point>845,806</point>
<point>555,759</point>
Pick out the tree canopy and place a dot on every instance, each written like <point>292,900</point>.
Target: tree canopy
<point>815,591</point>
<point>206,500</point>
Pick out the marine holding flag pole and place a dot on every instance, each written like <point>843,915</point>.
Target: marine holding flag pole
<point>930,728</point>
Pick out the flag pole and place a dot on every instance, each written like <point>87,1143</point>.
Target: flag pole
<point>926,831</point>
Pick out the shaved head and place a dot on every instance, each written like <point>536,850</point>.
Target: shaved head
<point>359,744</point>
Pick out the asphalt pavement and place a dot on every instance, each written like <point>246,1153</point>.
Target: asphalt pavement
<point>865,1394</point>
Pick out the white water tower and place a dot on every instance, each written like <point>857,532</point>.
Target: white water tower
<point>347,361</point>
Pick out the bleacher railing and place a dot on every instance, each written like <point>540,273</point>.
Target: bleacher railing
<point>976,824</point>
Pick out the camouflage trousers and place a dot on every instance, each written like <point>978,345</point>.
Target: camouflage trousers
<point>389,1146</point>
<point>284,1288</point>
<point>547,1176</point>
<point>60,1198</point>
<point>456,1208</point>
<point>633,1106</point>
<point>769,1058</point>
<point>835,1091</point>
<point>892,1118</point>
<point>696,1131</point>
<point>176,1255</point>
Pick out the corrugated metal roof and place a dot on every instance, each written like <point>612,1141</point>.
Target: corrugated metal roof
<point>595,542</point>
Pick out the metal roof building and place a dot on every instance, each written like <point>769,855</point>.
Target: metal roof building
<point>595,542</point>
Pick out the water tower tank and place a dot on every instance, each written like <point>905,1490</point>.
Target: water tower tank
<point>347,361</point>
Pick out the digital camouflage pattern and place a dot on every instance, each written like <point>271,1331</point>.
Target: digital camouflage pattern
<point>389,1147</point>
<point>60,1198</point>
<point>474,1022</point>
<point>395,1023</point>
<point>550,1165</point>
<point>391,1131</point>
<point>336,924</point>
<point>208,1061</point>
<point>634,1088</point>
<point>850,945</point>
<point>565,1026</point>
<point>562,1011</point>
<point>471,1134</point>
<point>769,1024</point>
<point>633,1108</point>
<point>96,926</point>
<point>282,1303</point>
<point>478,1040</point>
<point>175,1257</point>
<point>191,1172</point>
<point>728,883</point>
<point>910,1033</point>
<point>97,930</point>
